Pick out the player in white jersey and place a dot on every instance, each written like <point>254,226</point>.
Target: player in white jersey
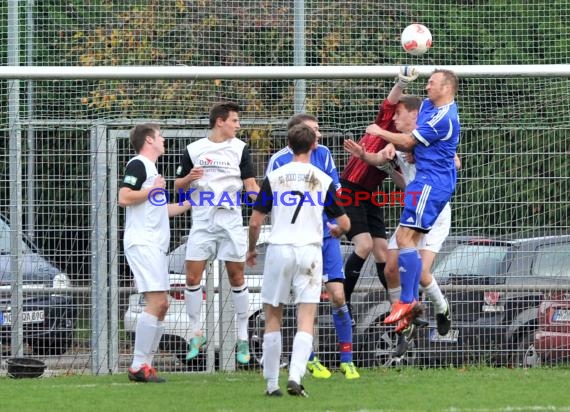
<point>296,194</point>
<point>333,272</point>
<point>214,170</point>
<point>146,241</point>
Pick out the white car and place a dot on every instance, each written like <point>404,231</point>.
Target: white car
<point>177,331</point>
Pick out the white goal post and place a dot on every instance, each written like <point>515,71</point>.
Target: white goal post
<point>267,72</point>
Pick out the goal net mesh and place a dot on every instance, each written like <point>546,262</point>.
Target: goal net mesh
<point>515,129</point>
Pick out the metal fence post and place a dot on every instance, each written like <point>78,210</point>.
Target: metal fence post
<point>99,280</point>
<point>226,315</point>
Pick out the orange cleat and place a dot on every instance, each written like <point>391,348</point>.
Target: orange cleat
<point>400,310</point>
<point>145,374</point>
<point>402,325</point>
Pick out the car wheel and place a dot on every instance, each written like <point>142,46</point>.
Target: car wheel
<point>524,354</point>
<point>256,330</point>
<point>377,345</point>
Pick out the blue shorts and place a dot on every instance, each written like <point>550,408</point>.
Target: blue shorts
<point>422,205</point>
<point>333,267</point>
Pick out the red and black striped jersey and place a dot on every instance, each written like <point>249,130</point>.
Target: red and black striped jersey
<point>357,171</point>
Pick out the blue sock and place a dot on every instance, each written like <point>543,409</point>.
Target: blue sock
<point>343,327</point>
<point>418,278</point>
<point>410,265</point>
<point>312,356</point>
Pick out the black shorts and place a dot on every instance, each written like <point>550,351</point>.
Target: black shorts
<point>365,217</point>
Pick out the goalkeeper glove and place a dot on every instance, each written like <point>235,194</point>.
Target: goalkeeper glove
<point>407,74</point>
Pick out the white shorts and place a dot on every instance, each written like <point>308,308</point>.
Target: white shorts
<point>150,268</point>
<point>222,237</point>
<point>292,269</point>
<point>433,240</point>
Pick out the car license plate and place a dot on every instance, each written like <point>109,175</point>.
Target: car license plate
<point>451,336</point>
<point>493,308</point>
<point>32,316</point>
<point>561,315</point>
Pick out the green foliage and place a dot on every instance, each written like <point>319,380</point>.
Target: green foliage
<point>515,129</point>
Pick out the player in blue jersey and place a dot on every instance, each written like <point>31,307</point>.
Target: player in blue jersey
<point>434,142</point>
<point>333,272</point>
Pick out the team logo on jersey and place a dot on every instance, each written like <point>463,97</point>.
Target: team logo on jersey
<point>178,170</point>
<point>130,180</point>
<point>211,162</point>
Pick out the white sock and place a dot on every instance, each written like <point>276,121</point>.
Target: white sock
<point>145,332</point>
<point>271,359</point>
<point>434,294</point>
<point>302,347</point>
<point>240,295</point>
<point>193,300</point>
<point>156,343</point>
<point>394,294</point>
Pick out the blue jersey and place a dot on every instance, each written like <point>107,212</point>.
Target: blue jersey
<point>321,158</point>
<point>437,133</point>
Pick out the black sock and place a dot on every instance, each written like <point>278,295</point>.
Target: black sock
<point>380,270</point>
<point>352,270</point>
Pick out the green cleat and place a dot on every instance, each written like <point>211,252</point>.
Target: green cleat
<point>194,347</point>
<point>349,370</point>
<point>242,352</point>
<point>317,369</point>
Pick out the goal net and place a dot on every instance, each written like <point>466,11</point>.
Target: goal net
<point>515,125</point>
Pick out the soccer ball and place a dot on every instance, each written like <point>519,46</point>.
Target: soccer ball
<point>416,39</point>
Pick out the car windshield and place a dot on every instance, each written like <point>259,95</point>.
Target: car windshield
<point>471,260</point>
<point>5,240</point>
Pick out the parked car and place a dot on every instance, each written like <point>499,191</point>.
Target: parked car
<point>494,326</point>
<point>48,316</point>
<point>552,338</point>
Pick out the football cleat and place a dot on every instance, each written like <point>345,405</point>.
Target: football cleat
<point>296,389</point>
<point>402,325</point>
<point>403,310</point>
<point>443,321</point>
<point>242,352</point>
<point>145,374</point>
<point>317,369</point>
<point>349,370</point>
<point>194,346</point>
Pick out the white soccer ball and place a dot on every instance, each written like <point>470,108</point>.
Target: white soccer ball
<point>416,39</point>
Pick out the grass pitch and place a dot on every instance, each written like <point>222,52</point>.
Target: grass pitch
<point>409,389</point>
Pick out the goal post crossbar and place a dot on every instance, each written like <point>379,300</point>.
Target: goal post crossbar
<point>267,72</point>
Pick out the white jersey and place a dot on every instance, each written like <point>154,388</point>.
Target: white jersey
<point>225,165</point>
<point>297,194</point>
<point>145,223</point>
<point>408,169</point>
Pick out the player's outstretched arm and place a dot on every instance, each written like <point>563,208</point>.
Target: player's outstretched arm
<point>374,159</point>
<point>175,209</point>
<point>407,75</point>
